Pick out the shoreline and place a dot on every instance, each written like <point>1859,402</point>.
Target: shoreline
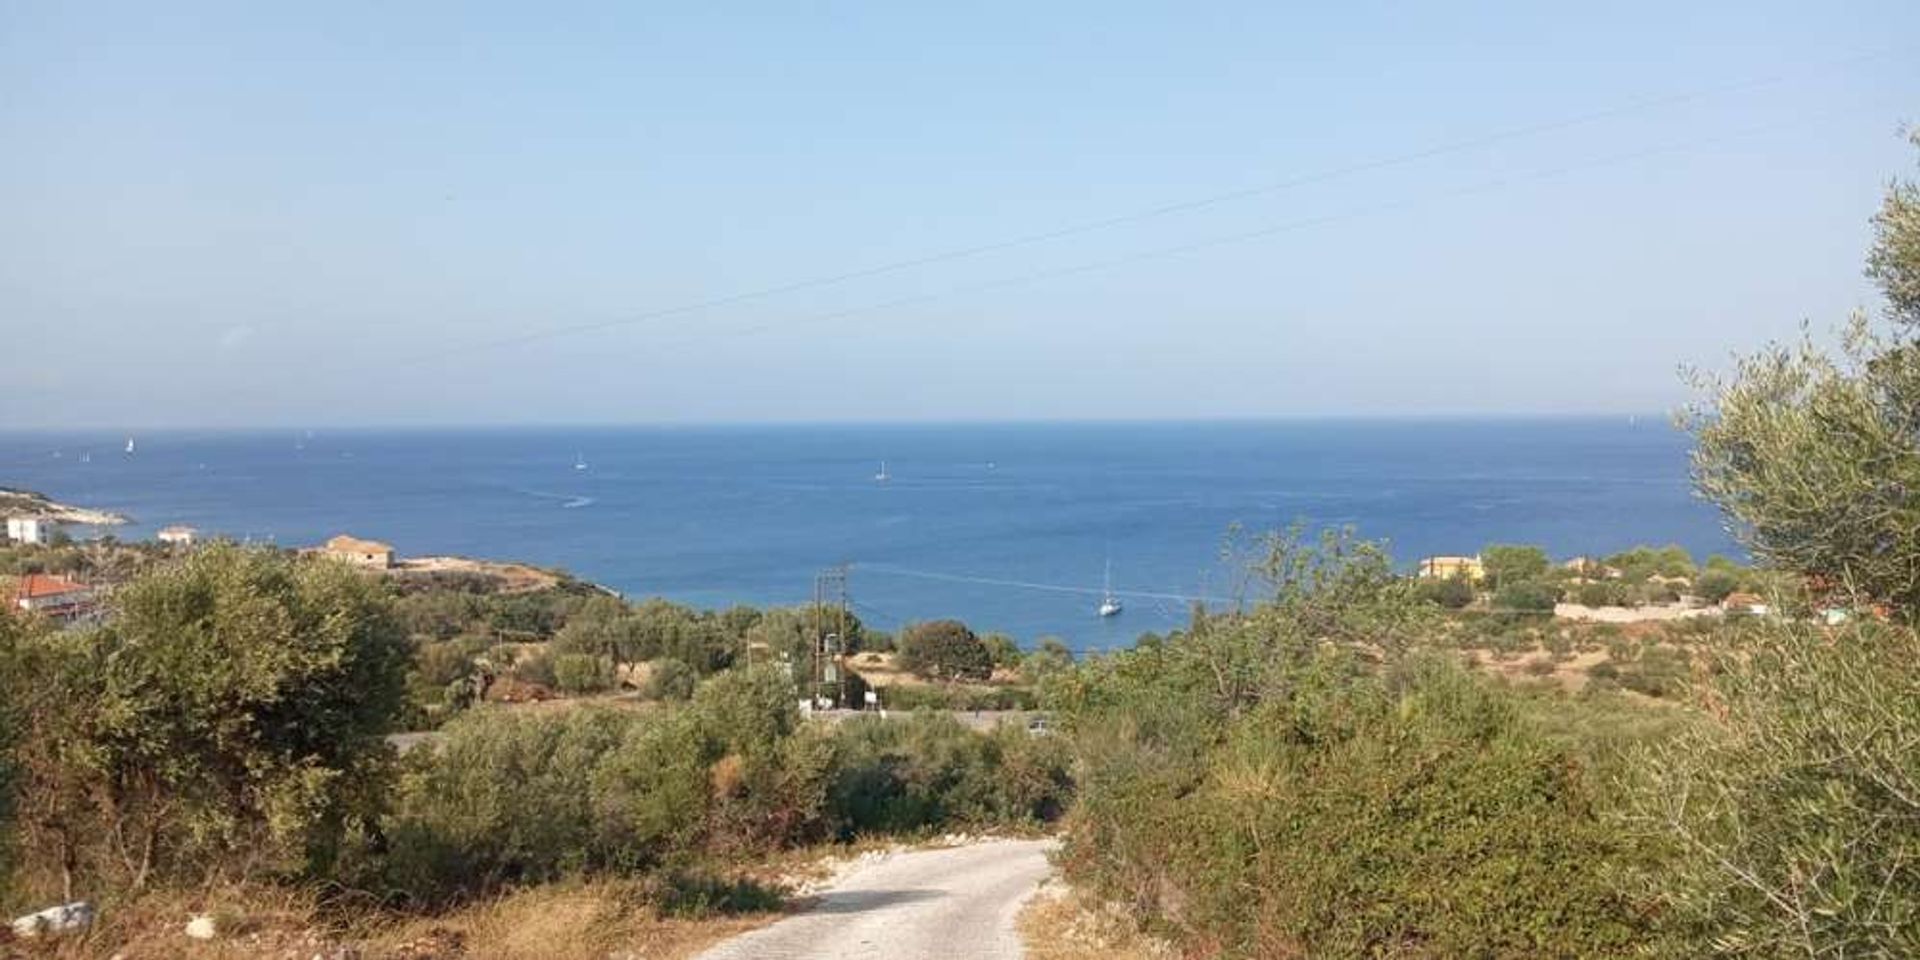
<point>15,502</point>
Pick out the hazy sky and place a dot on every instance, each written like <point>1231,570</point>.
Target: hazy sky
<point>335,213</point>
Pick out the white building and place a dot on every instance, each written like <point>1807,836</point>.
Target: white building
<point>178,535</point>
<point>29,529</point>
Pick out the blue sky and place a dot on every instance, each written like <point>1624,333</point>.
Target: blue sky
<point>256,214</point>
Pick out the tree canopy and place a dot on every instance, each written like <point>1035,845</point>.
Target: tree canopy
<point>1814,456</point>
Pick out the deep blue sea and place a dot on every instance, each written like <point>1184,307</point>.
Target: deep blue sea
<point>1008,527</point>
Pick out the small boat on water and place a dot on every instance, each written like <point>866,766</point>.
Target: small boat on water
<point>129,446</point>
<point>1109,604</point>
<point>579,461</point>
<point>883,476</point>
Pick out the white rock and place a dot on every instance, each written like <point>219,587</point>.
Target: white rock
<point>65,918</point>
<point>202,927</point>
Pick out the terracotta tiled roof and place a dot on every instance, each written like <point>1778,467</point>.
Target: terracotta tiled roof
<point>35,586</point>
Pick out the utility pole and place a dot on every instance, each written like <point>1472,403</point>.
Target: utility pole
<point>827,676</point>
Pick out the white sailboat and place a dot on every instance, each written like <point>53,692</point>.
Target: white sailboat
<point>579,461</point>
<point>883,476</point>
<point>129,446</point>
<point>1109,604</point>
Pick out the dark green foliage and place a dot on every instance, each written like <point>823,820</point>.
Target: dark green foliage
<point>1002,650</point>
<point>945,650</point>
<point>1812,455</point>
<point>1639,563</point>
<point>898,776</point>
<point>502,798</point>
<point>12,629</point>
<point>957,696</point>
<point>535,668</point>
<point>1894,261</point>
<point>671,679</point>
<point>1603,593</point>
<point>1260,792</point>
<point>1508,563</point>
<point>1526,596</point>
<point>1450,593</point>
<point>514,798</point>
<point>1793,816</point>
<point>582,673</point>
<point>226,721</point>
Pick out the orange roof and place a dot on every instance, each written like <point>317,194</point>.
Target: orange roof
<point>33,586</point>
<point>1743,600</point>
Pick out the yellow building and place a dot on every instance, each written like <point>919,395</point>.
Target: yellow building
<point>364,553</point>
<point>1443,568</point>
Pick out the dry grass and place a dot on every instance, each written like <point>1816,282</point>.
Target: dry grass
<point>578,920</point>
<point>1060,923</point>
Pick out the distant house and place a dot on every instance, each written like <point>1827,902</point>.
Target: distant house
<point>365,553</point>
<point>179,536</point>
<point>29,529</point>
<point>52,596</point>
<point>1588,568</point>
<point>1751,603</point>
<point>1444,568</point>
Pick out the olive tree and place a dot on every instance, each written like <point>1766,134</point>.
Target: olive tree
<point>1814,455</point>
<point>227,720</point>
<point>945,650</point>
<point>1793,813</point>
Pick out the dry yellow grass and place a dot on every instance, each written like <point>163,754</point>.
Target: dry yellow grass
<point>1060,923</point>
<point>577,920</point>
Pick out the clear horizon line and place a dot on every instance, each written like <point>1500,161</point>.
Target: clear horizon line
<point>1662,416</point>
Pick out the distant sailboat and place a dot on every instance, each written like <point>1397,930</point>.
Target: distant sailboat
<point>883,476</point>
<point>129,446</point>
<point>1109,604</point>
<point>579,461</point>
<point>86,457</point>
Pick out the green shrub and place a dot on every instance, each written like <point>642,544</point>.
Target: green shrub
<point>1526,597</point>
<point>670,679</point>
<point>898,776</point>
<point>1450,593</point>
<point>945,650</point>
<point>535,667</point>
<point>1602,593</point>
<point>581,673</point>
<point>1319,824</point>
<point>1256,791</point>
<point>505,797</point>
<point>1793,817</point>
<point>227,720</point>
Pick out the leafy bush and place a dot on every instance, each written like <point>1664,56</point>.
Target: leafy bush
<point>226,721</point>
<point>535,668</point>
<point>897,776</point>
<point>1508,563</point>
<point>1526,596</point>
<point>11,629</point>
<point>1450,593</point>
<point>1257,791</point>
<point>670,679</point>
<point>945,650</point>
<point>1713,586</point>
<point>1794,816</point>
<point>582,673</point>
<point>1603,593</point>
<point>504,797</point>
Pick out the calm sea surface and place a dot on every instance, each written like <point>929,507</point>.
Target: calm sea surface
<point>1008,527</point>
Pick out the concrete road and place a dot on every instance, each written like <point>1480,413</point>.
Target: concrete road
<point>957,903</point>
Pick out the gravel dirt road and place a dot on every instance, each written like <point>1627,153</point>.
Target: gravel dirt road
<point>958,902</point>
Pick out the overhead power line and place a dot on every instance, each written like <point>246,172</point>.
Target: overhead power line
<point>1165,210</point>
<point>1259,233</point>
